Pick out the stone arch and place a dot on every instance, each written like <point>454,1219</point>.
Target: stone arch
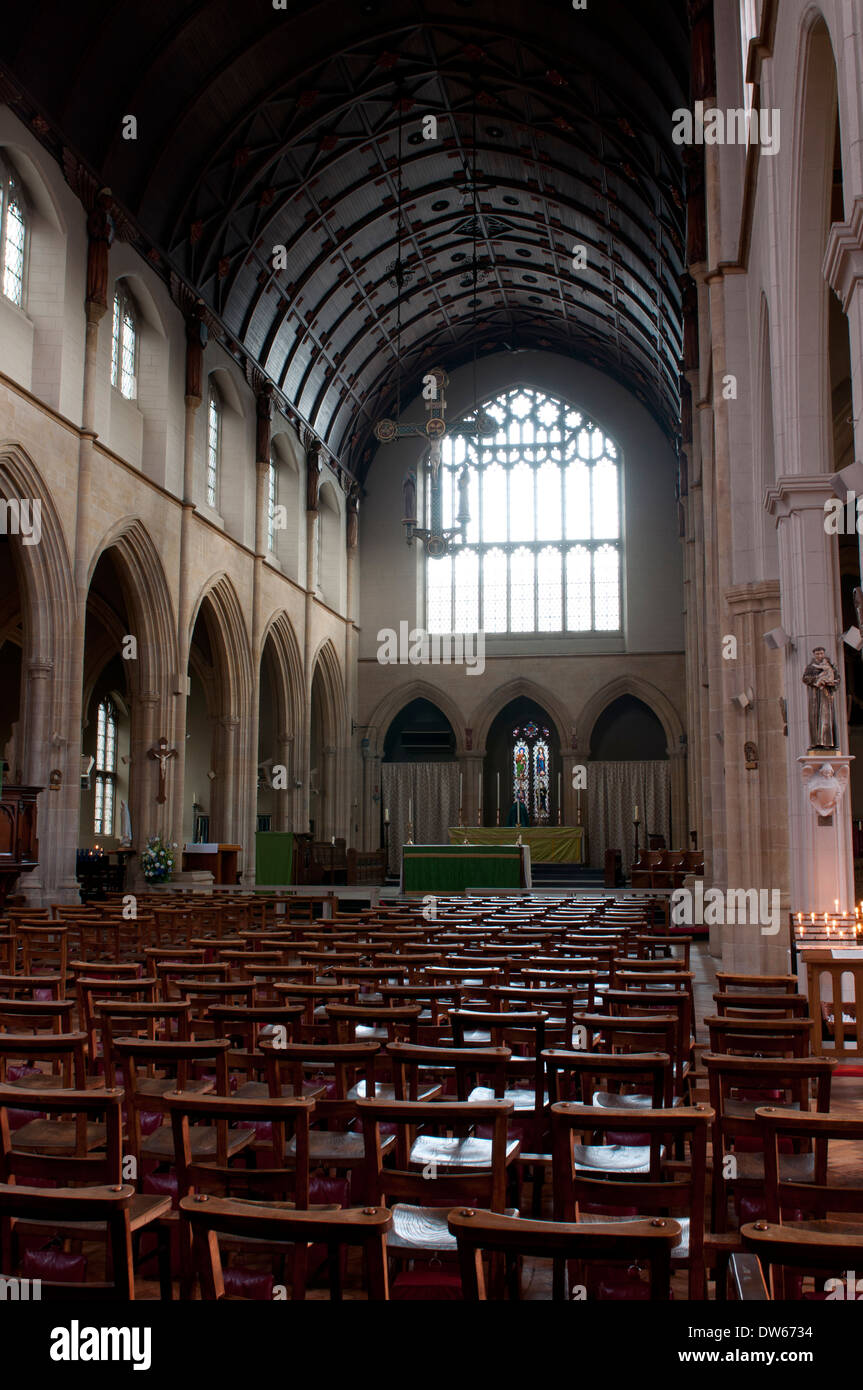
<point>148,600</point>
<point>392,705</point>
<point>325,668</point>
<point>232,639</point>
<point>279,631</point>
<point>48,739</point>
<point>494,703</point>
<point>812,166</point>
<point>649,695</point>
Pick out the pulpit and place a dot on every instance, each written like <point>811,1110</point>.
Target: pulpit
<point>219,860</point>
<point>19,847</point>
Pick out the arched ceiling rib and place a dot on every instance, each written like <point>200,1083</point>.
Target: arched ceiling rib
<point>260,128</point>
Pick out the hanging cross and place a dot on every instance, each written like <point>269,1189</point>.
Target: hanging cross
<point>436,426</point>
<point>162,754</point>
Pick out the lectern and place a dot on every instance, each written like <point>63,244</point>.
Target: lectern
<point>219,860</point>
<point>19,847</point>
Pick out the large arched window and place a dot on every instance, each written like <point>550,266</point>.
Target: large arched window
<point>13,235</point>
<point>124,344</point>
<point>542,551</point>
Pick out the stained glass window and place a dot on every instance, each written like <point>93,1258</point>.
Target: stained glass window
<point>542,552</point>
<point>106,768</point>
<point>13,236</point>
<point>531,785</point>
<point>124,344</point>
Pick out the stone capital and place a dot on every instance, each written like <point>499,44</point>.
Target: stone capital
<point>843,260</point>
<point>798,492</point>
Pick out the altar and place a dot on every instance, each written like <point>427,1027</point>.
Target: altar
<point>549,844</point>
<point>456,868</point>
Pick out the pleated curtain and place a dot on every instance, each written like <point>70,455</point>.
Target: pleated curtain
<point>613,792</point>
<point>433,789</point>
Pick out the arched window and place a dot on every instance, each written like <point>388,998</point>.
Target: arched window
<point>106,768</point>
<point>272,500</point>
<point>214,446</point>
<point>13,235</point>
<point>124,344</point>
<point>542,551</point>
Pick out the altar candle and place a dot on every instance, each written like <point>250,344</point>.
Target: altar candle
<point>386,815</point>
<point>559,802</point>
<point>835,904</point>
<point>479,795</point>
<point>410,811</point>
<point>635,817</point>
<point>498,792</point>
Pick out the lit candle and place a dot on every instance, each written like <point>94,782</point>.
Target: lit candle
<point>635,817</point>
<point>835,904</point>
<point>812,915</point>
<point>386,815</point>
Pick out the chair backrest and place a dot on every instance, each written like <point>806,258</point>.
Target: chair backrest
<point>485,1185</point>
<point>654,1188</point>
<point>209,1217</point>
<point>395,1021</point>
<point>578,1075</point>
<point>277,1179</point>
<point>40,1015</point>
<point>767,1004</point>
<point>124,1018</point>
<point>60,1206</point>
<point>760,1037</point>
<point>787,1247</point>
<point>143,1060</point>
<point>65,1054</point>
<point>76,1160</point>
<point>413,1065</point>
<point>729,982</point>
<point>636,1242</point>
<point>824,1133</point>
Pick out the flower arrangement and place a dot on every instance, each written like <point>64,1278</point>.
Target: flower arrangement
<point>157,860</point>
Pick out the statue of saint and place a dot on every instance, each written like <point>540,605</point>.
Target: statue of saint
<point>410,498</point>
<point>353,507</point>
<point>822,678</point>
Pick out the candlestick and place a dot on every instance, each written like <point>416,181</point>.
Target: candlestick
<point>386,815</point>
<point>410,811</point>
<point>559,807</point>
<point>497,812</point>
<point>635,817</point>
<point>479,800</point>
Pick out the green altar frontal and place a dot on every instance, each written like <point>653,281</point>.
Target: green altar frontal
<point>453,868</point>
<point>274,855</point>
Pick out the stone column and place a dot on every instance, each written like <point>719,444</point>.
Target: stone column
<point>313,474</point>
<point>820,857</point>
<point>196,338</point>
<point>329,809</point>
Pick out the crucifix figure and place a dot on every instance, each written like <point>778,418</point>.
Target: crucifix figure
<point>162,755</point>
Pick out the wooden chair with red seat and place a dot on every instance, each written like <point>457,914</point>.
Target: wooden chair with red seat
<point>44,949</point>
<point>444,1162</point>
<point>373,1022</point>
<point>588,1180</point>
<point>93,990</point>
<point>345,1072</point>
<point>317,996</point>
<point>280,1173</point>
<point>738,1087</point>
<point>81,1206</point>
<point>784,1250</point>
<point>651,1242</point>
<point>211,1218</point>
<point>246,1026</point>
<point>124,1018</point>
<point>43,1061</point>
<point>77,1141</point>
<point>33,987</point>
<point>36,1015</point>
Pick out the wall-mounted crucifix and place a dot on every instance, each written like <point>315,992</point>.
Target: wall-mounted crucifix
<point>162,754</point>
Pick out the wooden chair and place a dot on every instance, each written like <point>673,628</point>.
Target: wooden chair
<point>84,1207</point>
<point>64,1055</point>
<point>587,1174</point>
<point>650,1242</point>
<point>44,949</point>
<point>738,1086</point>
<point>817,1200</point>
<point>78,1141</point>
<point>761,1003</point>
<point>211,1218</point>
<point>245,1025</point>
<point>730,982</point>
<point>446,1163</point>
<point>760,1037</point>
<point>157,1022</point>
<point>94,990</point>
<point>784,1248</point>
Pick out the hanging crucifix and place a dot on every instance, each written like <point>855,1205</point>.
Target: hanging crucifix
<point>162,754</point>
<point>435,428</point>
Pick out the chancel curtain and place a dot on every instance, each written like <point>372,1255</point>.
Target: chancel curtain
<point>433,789</point>
<point>613,792</point>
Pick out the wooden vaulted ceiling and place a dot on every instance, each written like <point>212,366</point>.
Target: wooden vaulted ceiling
<point>260,127</point>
